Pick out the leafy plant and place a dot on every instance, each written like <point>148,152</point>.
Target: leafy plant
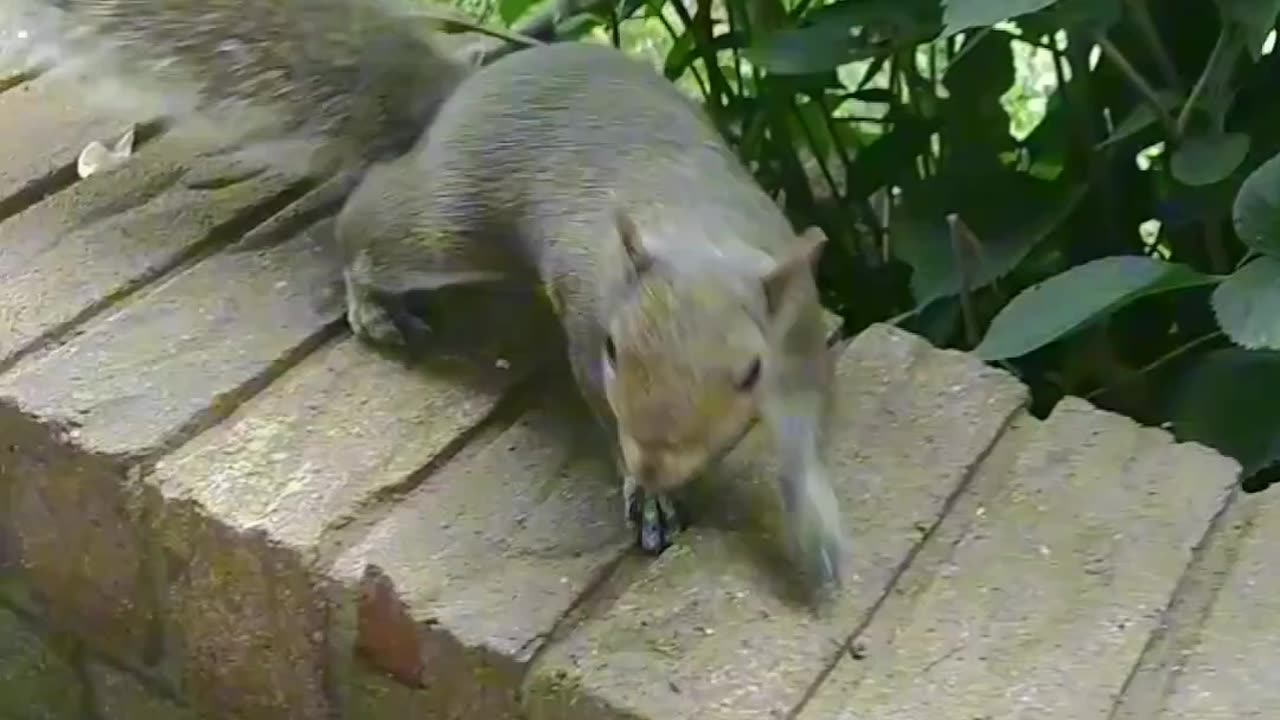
<point>1086,192</point>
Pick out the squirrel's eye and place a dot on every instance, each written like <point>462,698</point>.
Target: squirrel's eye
<point>751,377</point>
<point>610,350</point>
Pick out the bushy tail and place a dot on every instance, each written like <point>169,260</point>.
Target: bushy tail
<point>349,81</point>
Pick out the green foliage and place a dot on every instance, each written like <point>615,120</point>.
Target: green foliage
<point>1085,191</point>
<point>1066,302</point>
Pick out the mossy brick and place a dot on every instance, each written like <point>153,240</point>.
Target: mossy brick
<point>81,248</point>
<point>85,418</point>
<point>251,505</point>
<point>37,682</point>
<point>1039,600</point>
<point>117,695</point>
<point>709,629</point>
<point>44,124</point>
<point>461,584</point>
<point>1228,670</point>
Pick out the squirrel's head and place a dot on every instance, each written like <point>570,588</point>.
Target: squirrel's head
<point>688,354</point>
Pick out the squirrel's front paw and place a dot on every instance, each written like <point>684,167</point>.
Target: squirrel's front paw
<point>376,323</point>
<point>654,517</point>
<point>824,559</point>
<point>372,322</point>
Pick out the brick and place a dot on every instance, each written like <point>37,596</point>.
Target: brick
<point>1228,670</point>
<point>119,696</point>
<point>83,419</point>
<point>36,681</point>
<point>466,577</point>
<point>44,124</point>
<point>708,630</point>
<point>79,249</point>
<point>1039,600</point>
<point>250,506</point>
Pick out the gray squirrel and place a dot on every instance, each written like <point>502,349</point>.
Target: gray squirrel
<point>687,299</point>
<point>317,86</point>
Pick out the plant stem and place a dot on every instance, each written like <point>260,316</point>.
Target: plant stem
<point>1214,247</point>
<point>846,162</point>
<point>1215,55</point>
<point>700,28</point>
<point>675,37</point>
<point>1147,30</point>
<point>961,235</point>
<point>1154,364</point>
<point>1139,83</point>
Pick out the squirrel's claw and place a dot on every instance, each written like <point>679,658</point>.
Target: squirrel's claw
<point>386,323</point>
<point>653,515</point>
<point>825,558</point>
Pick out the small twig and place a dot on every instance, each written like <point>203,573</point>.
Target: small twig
<point>961,235</point>
<point>1154,364</point>
<point>1139,83</point>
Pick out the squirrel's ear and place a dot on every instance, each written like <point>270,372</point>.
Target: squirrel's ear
<point>629,234</point>
<point>781,283</point>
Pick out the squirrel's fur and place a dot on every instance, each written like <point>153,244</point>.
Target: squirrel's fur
<point>687,299</point>
<point>325,85</point>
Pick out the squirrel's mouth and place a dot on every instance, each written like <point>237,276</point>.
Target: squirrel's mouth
<point>665,468</point>
<point>659,469</point>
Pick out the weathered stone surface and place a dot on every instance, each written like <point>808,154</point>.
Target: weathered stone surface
<point>706,630</point>
<point>131,385</point>
<point>131,382</point>
<point>43,127</point>
<point>465,579</point>
<point>36,682</point>
<point>82,247</point>
<point>1229,672</point>
<point>117,696</point>
<point>250,503</point>
<point>1042,598</point>
<point>374,695</point>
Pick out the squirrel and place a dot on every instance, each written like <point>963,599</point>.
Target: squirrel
<point>687,299</point>
<point>317,87</point>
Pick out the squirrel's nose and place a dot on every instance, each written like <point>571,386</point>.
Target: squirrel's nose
<point>646,471</point>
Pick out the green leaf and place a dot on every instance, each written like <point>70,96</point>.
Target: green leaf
<point>827,40</point>
<point>1247,305</point>
<point>1254,18</point>
<point>1228,402</point>
<point>1208,159</point>
<point>1087,14</point>
<point>1066,302</point>
<point>512,10</point>
<point>1256,211</point>
<point>959,15</point>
